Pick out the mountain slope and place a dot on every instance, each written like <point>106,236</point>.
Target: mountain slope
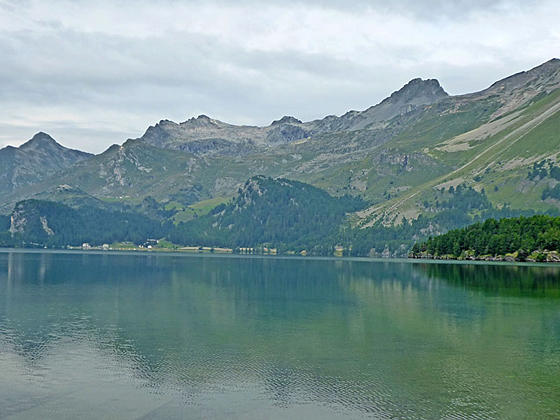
<point>132,171</point>
<point>495,155</point>
<point>204,158</point>
<point>204,135</point>
<point>34,161</point>
<point>395,155</point>
<point>47,223</point>
<point>271,211</point>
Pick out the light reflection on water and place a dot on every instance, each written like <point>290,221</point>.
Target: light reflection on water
<point>118,336</point>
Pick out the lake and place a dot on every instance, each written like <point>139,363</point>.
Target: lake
<point>93,336</point>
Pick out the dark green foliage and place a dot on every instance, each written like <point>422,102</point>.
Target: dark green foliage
<point>6,239</point>
<point>539,170</point>
<point>544,168</point>
<point>279,212</point>
<point>466,199</point>
<point>380,238</point>
<point>4,222</point>
<point>497,237</point>
<point>188,195</point>
<point>454,208</point>
<point>551,192</point>
<point>292,215</point>
<point>153,209</point>
<point>46,223</point>
<point>513,280</point>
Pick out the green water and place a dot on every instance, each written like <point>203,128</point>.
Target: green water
<point>163,336</point>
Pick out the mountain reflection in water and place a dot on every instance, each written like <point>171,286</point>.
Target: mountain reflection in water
<point>127,336</point>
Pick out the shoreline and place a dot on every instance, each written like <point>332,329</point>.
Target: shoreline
<point>188,254</point>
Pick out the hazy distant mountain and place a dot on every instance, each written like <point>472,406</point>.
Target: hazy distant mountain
<point>34,160</point>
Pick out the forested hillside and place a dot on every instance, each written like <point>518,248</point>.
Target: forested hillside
<point>536,238</point>
<point>452,208</point>
<point>275,212</point>
<point>46,223</point>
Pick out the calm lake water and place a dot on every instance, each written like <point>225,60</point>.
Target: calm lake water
<point>162,336</point>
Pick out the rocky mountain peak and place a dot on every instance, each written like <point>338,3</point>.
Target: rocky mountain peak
<point>287,119</point>
<point>553,61</point>
<point>166,123</point>
<point>33,161</point>
<point>39,140</point>
<point>41,135</point>
<point>418,92</point>
<point>202,121</point>
<point>414,94</point>
<point>42,143</point>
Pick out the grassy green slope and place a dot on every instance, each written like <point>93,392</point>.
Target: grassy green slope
<point>502,159</point>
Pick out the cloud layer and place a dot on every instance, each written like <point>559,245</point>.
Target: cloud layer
<point>95,73</point>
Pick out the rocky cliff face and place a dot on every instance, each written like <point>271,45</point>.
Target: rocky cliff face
<point>34,161</point>
<point>28,216</point>
<point>415,94</point>
<point>204,136</point>
<point>518,89</point>
<point>546,77</point>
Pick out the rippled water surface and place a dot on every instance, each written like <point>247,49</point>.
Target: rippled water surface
<point>162,336</point>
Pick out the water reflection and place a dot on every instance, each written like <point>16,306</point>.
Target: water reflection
<point>513,280</point>
<point>245,337</point>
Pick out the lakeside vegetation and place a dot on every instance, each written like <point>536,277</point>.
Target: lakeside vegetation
<point>535,238</point>
<point>39,223</point>
<point>286,216</point>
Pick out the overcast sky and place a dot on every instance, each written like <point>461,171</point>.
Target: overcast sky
<point>96,73</point>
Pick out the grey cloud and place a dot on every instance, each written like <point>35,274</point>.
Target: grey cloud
<point>421,9</point>
<point>91,88</point>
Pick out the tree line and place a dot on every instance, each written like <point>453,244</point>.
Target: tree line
<point>521,235</point>
<point>51,224</point>
<point>276,213</point>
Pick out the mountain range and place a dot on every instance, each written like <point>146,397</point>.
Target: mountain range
<point>397,156</point>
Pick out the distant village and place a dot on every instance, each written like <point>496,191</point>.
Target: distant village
<point>160,245</point>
